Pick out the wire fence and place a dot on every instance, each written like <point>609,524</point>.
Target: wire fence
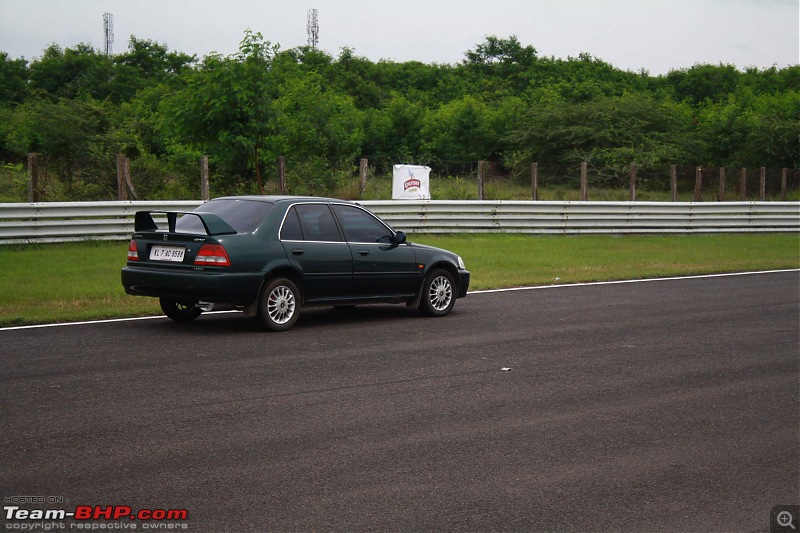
<point>452,180</point>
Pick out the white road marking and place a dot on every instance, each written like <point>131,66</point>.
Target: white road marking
<point>620,282</point>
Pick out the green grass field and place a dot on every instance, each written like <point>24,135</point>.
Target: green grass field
<point>80,281</point>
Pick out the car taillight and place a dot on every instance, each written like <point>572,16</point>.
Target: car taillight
<point>133,254</point>
<point>212,255</point>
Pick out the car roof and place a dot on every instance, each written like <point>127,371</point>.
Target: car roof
<point>280,199</point>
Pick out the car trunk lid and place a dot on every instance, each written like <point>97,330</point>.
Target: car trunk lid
<point>190,243</point>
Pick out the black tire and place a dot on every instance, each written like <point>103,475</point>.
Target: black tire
<point>438,293</point>
<point>279,304</point>
<point>179,311</point>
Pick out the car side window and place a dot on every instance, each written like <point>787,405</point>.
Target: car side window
<point>318,223</point>
<point>291,230</point>
<point>361,226</point>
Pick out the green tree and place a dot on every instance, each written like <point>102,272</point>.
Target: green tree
<point>13,80</point>
<point>704,83</point>
<point>393,133</point>
<point>508,53</point>
<point>146,64</point>
<point>319,130</point>
<point>775,140</point>
<point>587,78</point>
<point>496,68</point>
<point>302,59</point>
<point>610,134</point>
<point>461,132</point>
<point>426,85</point>
<point>72,73</point>
<point>225,109</point>
<point>753,130</point>
<point>356,76</point>
<point>71,136</point>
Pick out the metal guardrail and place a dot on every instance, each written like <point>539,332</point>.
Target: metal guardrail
<point>589,217</point>
<point>72,221</point>
<point>69,221</point>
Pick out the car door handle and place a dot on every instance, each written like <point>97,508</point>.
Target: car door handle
<point>363,252</point>
<point>298,251</point>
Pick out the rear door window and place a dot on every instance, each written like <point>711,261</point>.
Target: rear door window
<point>318,223</point>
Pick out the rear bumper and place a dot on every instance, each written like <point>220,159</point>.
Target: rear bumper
<point>208,286</point>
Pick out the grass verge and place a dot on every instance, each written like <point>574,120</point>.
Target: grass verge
<point>80,281</point>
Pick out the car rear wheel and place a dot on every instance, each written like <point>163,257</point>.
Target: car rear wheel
<point>279,305</point>
<point>179,311</point>
<point>438,293</point>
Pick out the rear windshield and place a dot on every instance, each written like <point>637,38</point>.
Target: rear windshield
<point>242,215</point>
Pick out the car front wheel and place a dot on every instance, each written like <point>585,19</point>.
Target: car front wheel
<point>438,293</point>
<point>179,311</point>
<point>279,305</point>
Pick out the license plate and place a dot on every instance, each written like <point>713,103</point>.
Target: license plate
<point>160,252</point>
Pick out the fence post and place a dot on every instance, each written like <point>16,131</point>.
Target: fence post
<point>698,184</point>
<point>362,176</point>
<point>122,191</point>
<point>534,181</point>
<point>282,174</point>
<point>584,181</point>
<point>633,183</point>
<point>127,184</point>
<point>673,180</point>
<point>784,179</point>
<point>721,192</point>
<point>743,185</point>
<point>205,188</point>
<point>481,170</point>
<point>126,173</point>
<point>33,174</point>
<point>762,184</point>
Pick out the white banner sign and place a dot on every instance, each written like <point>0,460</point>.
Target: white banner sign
<point>411,182</point>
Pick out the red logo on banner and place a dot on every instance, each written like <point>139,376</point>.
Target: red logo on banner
<point>411,183</point>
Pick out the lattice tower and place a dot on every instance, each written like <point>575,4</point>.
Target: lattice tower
<point>108,30</point>
<point>312,28</point>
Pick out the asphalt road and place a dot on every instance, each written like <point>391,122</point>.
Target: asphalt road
<point>668,405</point>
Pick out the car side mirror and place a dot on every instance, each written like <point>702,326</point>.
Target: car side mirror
<point>399,238</point>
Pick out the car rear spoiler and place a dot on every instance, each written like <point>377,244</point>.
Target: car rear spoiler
<point>213,224</point>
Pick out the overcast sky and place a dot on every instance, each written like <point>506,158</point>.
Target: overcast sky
<point>656,35</point>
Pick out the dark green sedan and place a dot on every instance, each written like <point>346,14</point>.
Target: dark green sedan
<point>269,256</point>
